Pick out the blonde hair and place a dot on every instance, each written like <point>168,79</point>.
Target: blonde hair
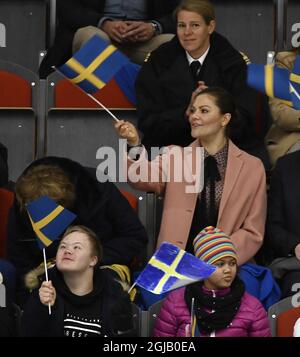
<point>201,7</point>
<point>45,180</point>
<point>92,236</point>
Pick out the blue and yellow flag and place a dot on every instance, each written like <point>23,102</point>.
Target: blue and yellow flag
<point>271,80</point>
<point>277,82</point>
<point>171,268</point>
<point>48,220</point>
<point>94,64</point>
<point>126,78</point>
<point>295,84</point>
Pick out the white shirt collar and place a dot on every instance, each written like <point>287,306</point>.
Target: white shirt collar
<point>200,59</point>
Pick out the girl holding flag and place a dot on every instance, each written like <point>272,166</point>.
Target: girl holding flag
<point>217,307</point>
<point>86,301</point>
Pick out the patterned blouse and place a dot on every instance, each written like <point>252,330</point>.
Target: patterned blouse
<point>221,158</point>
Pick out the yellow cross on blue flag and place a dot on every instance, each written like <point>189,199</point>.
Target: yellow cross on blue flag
<point>92,67</point>
<point>48,220</point>
<point>276,82</point>
<point>171,268</point>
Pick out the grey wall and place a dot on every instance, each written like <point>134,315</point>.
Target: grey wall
<point>18,134</point>
<point>248,25</point>
<point>293,22</point>
<point>79,134</point>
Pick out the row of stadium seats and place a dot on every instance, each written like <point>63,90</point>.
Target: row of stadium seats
<point>53,117</point>
<point>282,318</point>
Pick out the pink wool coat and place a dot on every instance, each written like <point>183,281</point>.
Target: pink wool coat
<point>242,211</point>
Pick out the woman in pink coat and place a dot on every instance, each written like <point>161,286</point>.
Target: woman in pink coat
<point>221,307</point>
<point>233,197</point>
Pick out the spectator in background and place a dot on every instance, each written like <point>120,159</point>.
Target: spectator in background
<point>136,26</point>
<point>221,306</point>
<point>86,301</point>
<point>99,206</point>
<point>283,224</point>
<point>284,134</point>
<point>197,57</point>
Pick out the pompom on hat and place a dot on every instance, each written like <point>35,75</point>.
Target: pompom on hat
<point>212,244</point>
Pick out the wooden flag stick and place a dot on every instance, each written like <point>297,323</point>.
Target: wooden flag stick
<point>293,90</point>
<point>46,272</point>
<point>192,315</point>
<point>89,95</point>
<point>131,288</point>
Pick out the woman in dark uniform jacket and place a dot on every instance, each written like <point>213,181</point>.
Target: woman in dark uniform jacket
<point>165,82</point>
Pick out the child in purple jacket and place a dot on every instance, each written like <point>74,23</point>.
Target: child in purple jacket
<point>221,305</point>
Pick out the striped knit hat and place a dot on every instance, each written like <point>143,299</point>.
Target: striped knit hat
<point>211,244</point>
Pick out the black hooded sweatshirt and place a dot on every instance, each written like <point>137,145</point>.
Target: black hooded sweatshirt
<point>106,311</point>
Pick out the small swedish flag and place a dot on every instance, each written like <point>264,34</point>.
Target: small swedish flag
<point>271,80</point>
<point>92,67</point>
<point>48,220</point>
<point>171,268</point>
<point>277,82</point>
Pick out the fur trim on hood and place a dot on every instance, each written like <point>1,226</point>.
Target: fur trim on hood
<point>32,279</point>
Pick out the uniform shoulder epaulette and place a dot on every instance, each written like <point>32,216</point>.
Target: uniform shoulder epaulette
<point>147,57</point>
<point>245,57</point>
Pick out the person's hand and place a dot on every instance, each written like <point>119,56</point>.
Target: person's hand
<point>188,330</point>
<point>115,30</point>
<point>199,89</point>
<point>201,86</point>
<point>127,131</point>
<point>297,251</point>
<point>47,293</point>
<point>138,31</point>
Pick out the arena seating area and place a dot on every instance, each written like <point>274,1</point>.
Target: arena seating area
<point>53,117</point>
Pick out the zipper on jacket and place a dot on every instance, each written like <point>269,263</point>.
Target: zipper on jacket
<point>213,333</point>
